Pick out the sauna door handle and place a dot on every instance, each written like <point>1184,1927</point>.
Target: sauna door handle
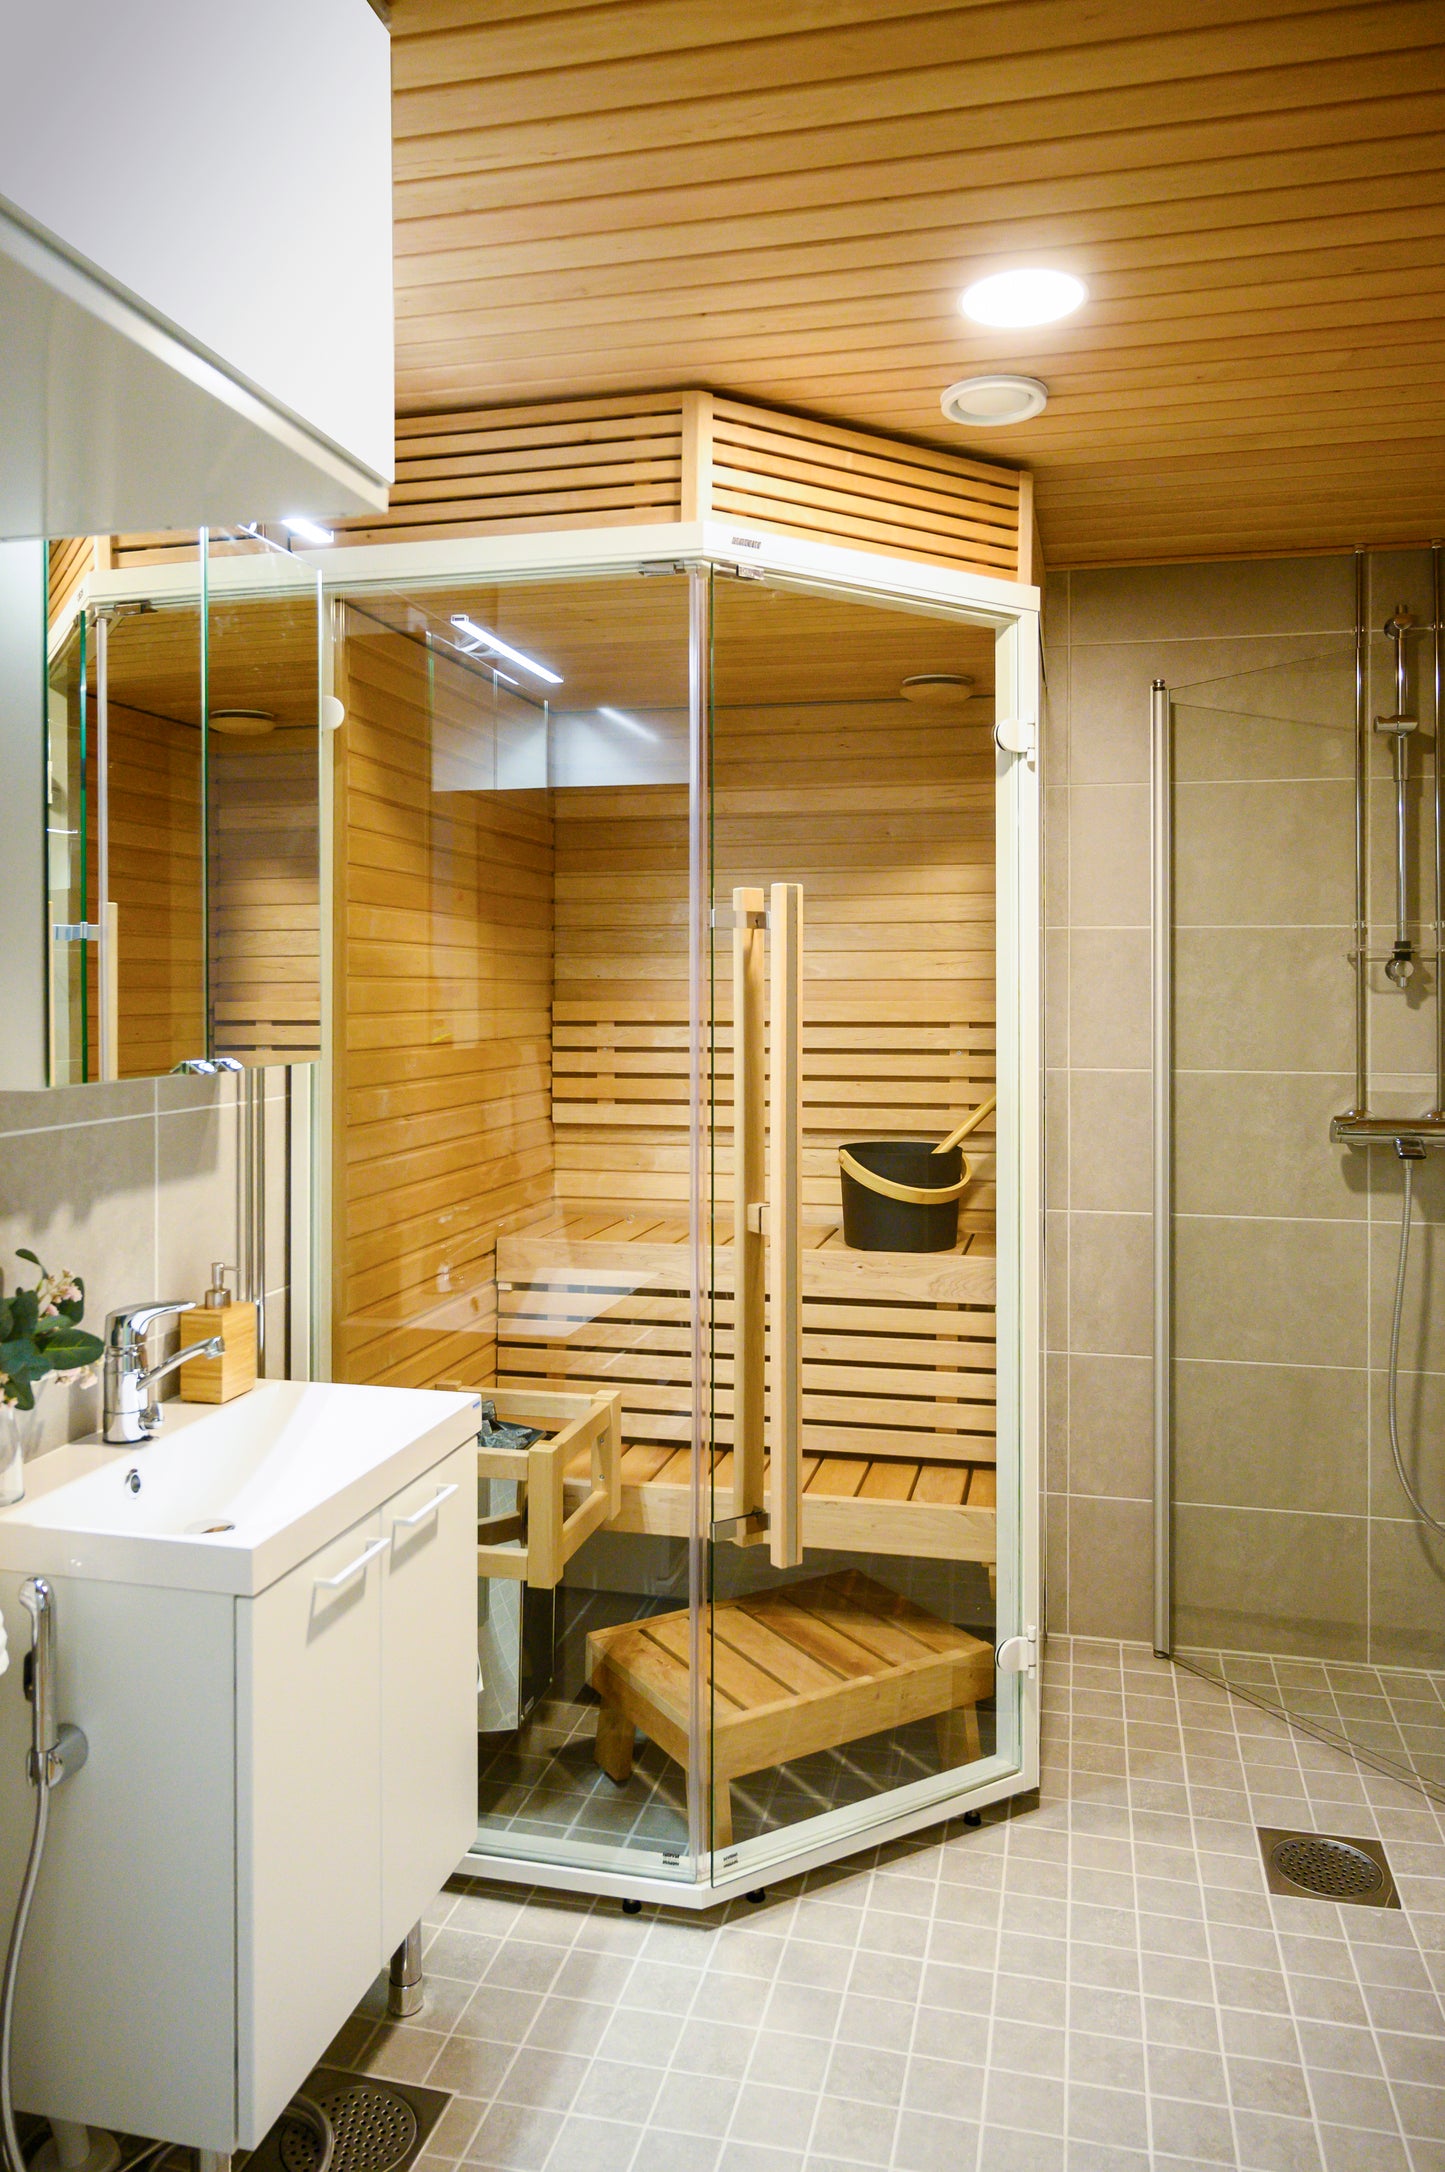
<point>784,1221</point>
<point>749,1249</point>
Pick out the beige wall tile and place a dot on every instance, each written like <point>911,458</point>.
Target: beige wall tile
<point>1111,1426</point>
<point>1258,1142</point>
<point>1111,1141</point>
<point>1111,1568</point>
<point>1422,1315</point>
<point>1056,1564</point>
<point>1262,709</point>
<point>1057,1423</point>
<point>1270,1436</point>
<point>1056,856</point>
<point>1264,854</point>
<point>1247,1581</point>
<point>1056,997</point>
<point>1421,1418</point>
<point>1213,601</point>
<point>1275,1292</point>
<point>1056,1138</point>
<point>1407,1596</point>
<point>1109,998</point>
<point>1263,999</point>
<point>1056,1280</point>
<point>1110,1283</point>
<point>1109,713</point>
<point>1109,856</point>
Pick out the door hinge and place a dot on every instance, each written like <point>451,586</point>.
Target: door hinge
<point>1017,735</point>
<point>1019,1655</point>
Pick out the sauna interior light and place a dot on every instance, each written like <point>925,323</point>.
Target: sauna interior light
<point>519,657</point>
<point>1030,295</point>
<point>307,531</point>
<point>628,723</point>
<point>983,403</point>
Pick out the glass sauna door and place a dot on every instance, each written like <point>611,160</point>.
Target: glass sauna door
<point>858,1483</point>
<point>513,1148</point>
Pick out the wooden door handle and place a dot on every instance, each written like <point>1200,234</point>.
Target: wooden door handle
<point>749,1252</point>
<point>784,1217</point>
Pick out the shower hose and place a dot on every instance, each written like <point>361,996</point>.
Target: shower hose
<point>1393,1394</point>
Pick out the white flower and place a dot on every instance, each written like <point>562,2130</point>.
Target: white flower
<point>56,1290</point>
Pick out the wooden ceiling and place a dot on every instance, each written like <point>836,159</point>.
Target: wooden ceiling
<point>647,193</point>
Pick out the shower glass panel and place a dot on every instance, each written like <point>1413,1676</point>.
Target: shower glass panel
<point>1300,1576</point>
<point>513,1143</point>
<point>856,1478</point>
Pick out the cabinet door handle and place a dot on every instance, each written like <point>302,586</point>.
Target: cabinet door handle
<point>344,1576</point>
<point>409,1523</point>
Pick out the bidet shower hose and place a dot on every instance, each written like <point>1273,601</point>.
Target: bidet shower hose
<point>1393,1390</point>
<point>14,2156</point>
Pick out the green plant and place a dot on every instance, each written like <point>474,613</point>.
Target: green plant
<point>41,1334</point>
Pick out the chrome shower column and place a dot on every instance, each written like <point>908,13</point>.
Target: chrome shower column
<point>1360,1105</point>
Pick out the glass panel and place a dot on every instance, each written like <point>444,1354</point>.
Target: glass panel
<point>263,822</point>
<point>513,1144</point>
<point>852,759</point>
<point>1301,1576</point>
<point>68,868</point>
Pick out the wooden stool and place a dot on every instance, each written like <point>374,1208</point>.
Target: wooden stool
<point>801,1668</point>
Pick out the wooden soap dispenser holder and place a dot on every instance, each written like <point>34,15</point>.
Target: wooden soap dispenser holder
<point>221,1379</point>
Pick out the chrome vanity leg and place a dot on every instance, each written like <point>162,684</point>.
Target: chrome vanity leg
<point>404,1988</point>
<point>213,2160</point>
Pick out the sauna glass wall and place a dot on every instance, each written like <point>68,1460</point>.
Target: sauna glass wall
<point>1299,1574</point>
<point>512,1149</point>
<point>542,819</point>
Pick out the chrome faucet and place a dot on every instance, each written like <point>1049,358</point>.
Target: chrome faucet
<point>131,1410</point>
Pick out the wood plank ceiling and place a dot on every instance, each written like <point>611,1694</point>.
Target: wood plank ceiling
<point>784,201</point>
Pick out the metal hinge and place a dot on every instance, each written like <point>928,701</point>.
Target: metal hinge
<point>1017,735</point>
<point>76,931</point>
<point>1019,1655</point>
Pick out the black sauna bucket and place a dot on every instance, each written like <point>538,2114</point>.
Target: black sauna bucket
<point>878,1221</point>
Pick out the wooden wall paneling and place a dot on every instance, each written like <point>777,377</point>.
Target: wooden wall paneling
<point>443,970</point>
<point>265,896</point>
<point>155,886</point>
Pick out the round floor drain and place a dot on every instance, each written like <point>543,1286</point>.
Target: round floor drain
<point>1331,1868</point>
<point>374,2130</point>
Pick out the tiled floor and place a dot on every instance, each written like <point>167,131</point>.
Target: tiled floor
<point>1393,1714</point>
<point>1098,1982</point>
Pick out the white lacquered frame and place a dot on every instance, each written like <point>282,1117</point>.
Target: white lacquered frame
<point>1012,611</point>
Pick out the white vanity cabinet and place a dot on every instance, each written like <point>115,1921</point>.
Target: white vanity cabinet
<point>279,1782</point>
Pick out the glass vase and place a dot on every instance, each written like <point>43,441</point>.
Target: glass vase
<point>19,1434</point>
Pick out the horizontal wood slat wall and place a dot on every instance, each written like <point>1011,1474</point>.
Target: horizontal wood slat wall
<point>443,974</point>
<point>265,898</point>
<point>674,456</point>
<point>155,886</point>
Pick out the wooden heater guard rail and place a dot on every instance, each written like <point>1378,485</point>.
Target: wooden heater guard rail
<point>536,1541</point>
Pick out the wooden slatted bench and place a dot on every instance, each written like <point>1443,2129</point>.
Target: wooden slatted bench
<point>898,1375</point>
<point>802,1668</point>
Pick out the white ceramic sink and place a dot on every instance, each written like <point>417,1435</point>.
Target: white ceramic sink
<point>229,1498</point>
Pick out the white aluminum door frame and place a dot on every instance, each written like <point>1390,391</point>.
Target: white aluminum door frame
<point>1012,610</point>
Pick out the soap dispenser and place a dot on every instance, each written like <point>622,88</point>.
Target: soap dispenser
<point>221,1379</point>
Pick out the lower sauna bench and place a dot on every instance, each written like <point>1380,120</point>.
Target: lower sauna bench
<point>805,1667</point>
<point>899,1378</point>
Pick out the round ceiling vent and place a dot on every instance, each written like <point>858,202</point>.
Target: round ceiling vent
<point>242,723</point>
<point>983,403</point>
<point>938,689</point>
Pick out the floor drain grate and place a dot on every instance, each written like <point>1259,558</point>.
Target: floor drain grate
<point>1325,1866</point>
<point>374,2128</point>
<point>379,2126</point>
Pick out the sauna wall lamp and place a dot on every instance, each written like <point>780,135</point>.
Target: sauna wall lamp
<point>1030,295</point>
<point>983,403</point>
<point>485,640</point>
<point>307,531</point>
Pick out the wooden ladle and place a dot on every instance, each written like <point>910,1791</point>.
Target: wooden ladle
<point>970,1123</point>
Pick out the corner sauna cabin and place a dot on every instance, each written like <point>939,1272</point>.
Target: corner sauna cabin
<point>674,853</point>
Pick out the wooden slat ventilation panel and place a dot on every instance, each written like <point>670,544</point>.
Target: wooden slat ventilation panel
<point>660,458</point>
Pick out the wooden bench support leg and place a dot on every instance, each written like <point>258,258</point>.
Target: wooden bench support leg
<point>615,1737</point>
<point>958,1742</point>
<point>722,1816</point>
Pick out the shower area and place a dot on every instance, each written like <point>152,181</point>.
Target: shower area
<point>1299,1177</point>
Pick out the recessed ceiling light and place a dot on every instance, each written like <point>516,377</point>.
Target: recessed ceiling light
<point>1031,295</point>
<point>982,403</point>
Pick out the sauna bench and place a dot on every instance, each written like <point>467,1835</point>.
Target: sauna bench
<point>898,1375</point>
